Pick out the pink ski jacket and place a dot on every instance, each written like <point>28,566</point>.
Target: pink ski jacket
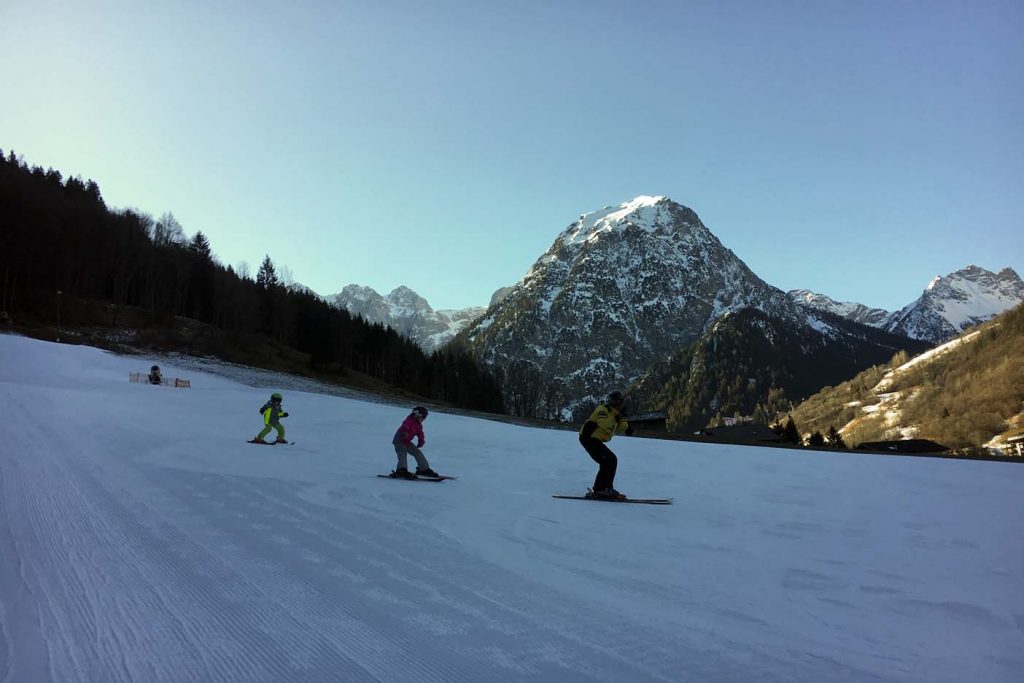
<point>410,428</point>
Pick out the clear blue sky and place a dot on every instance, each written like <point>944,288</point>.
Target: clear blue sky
<point>853,148</point>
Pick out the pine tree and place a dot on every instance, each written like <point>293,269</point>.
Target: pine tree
<point>834,438</point>
<point>267,275</point>
<point>790,434</point>
<point>201,246</point>
<point>816,440</point>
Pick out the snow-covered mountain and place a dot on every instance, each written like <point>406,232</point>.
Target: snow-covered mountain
<point>952,303</point>
<point>407,313</point>
<point>876,317</point>
<point>618,290</point>
<point>949,305</point>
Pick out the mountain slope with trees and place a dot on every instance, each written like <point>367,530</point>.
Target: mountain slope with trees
<point>63,244</point>
<point>964,394</point>
<point>753,363</point>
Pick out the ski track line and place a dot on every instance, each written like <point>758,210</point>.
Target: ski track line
<point>560,630</point>
<point>89,643</point>
<point>404,591</point>
<point>273,642</point>
<point>395,600</point>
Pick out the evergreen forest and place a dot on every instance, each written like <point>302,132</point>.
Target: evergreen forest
<point>65,248</point>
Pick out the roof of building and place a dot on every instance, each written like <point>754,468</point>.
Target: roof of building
<point>904,446</point>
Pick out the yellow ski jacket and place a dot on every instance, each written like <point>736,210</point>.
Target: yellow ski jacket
<point>603,423</point>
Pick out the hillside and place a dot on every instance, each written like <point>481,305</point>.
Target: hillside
<point>963,394</point>
<point>141,539</point>
<point>752,363</point>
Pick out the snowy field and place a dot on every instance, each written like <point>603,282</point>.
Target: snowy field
<point>141,539</point>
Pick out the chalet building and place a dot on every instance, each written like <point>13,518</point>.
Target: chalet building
<point>1014,446</point>
<point>651,422</point>
<point>741,433</point>
<point>921,446</point>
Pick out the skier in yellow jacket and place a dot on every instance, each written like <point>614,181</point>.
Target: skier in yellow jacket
<point>607,419</point>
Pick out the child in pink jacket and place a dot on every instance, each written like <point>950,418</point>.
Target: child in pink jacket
<point>412,428</point>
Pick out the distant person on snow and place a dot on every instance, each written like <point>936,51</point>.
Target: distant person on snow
<point>606,419</point>
<point>411,428</point>
<point>272,414</point>
<point>154,375</point>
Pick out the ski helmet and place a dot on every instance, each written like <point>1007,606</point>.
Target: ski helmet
<point>276,397</point>
<point>616,398</point>
<point>420,410</point>
<point>155,368</point>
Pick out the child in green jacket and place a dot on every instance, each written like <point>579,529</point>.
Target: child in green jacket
<point>272,415</point>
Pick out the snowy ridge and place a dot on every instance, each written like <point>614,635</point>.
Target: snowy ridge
<point>133,551</point>
<point>949,305</point>
<point>407,313</point>
<point>876,317</point>
<point>925,357</point>
<point>644,212</point>
<point>954,302</point>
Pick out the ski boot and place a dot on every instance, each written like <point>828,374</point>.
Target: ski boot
<point>606,494</point>
<point>402,473</point>
<point>426,472</point>
<point>281,441</point>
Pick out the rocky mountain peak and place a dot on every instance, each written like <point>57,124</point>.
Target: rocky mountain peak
<point>617,289</point>
<point>952,303</point>
<point>407,313</point>
<point>875,317</point>
<point>407,299</point>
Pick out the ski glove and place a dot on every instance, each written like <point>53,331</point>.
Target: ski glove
<point>421,442</point>
<point>284,414</point>
<point>629,430</point>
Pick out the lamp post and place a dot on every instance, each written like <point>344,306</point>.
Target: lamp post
<point>58,314</point>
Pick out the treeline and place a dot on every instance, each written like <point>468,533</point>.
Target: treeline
<point>59,235</point>
<point>753,363</point>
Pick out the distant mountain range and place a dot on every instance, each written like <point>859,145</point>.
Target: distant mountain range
<point>623,289</point>
<point>644,294</point>
<point>407,313</point>
<point>949,305</point>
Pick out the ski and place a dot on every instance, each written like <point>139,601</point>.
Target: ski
<point>270,443</point>
<point>415,478</point>
<point>641,501</point>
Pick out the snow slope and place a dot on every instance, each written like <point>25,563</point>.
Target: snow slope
<point>142,540</point>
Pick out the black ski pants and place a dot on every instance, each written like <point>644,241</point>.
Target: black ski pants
<point>604,457</point>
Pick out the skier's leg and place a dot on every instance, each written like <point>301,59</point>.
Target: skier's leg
<point>402,459</point>
<point>421,460</point>
<point>606,460</point>
<point>266,430</point>
<point>280,431</point>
